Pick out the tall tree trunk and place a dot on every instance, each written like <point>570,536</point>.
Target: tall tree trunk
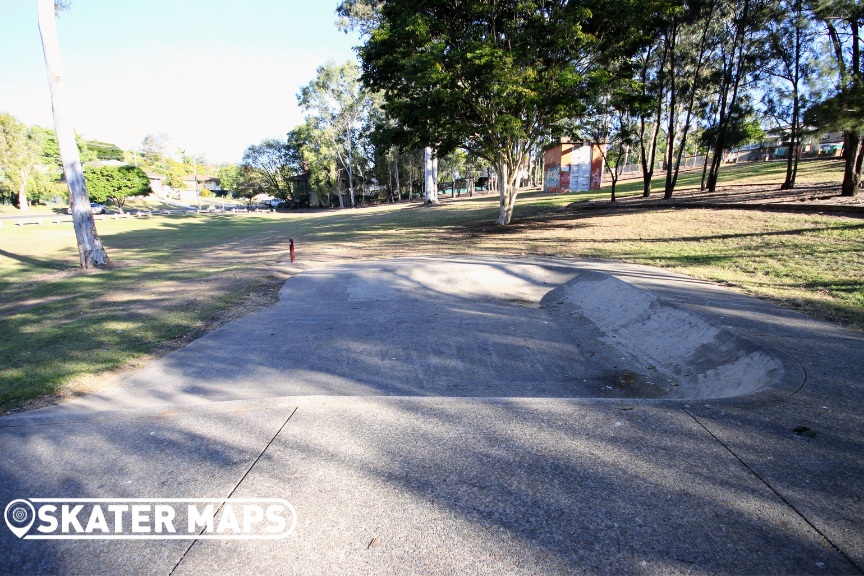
<point>398,187</point>
<point>704,183</point>
<point>431,176</point>
<point>733,80</point>
<point>410,178</point>
<point>853,145</point>
<point>507,192</point>
<point>672,175</point>
<point>22,195</point>
<point>90,249</point>
<point>672,128</point>
<point>792,159</point>
<point>648,154</point>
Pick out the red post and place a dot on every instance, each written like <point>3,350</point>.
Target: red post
<point>291,245</point>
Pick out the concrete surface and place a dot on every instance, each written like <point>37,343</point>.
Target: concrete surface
<point>484,416</point>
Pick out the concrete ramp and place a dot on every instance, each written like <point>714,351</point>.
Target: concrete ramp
<point>699,358</point>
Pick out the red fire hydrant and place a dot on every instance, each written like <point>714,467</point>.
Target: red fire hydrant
<point>291,245</point>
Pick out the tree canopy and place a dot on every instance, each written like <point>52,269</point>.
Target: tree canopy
<point>115,183</point>
<point>491,77</point>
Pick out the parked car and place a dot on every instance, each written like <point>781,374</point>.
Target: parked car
<point>95,208</point>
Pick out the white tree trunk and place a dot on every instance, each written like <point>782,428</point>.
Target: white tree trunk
<point>90,248</point>
<point>431,176</point>
<point>22,196</point>
<point>350,171</point>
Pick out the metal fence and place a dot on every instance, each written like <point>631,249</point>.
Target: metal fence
<point>687,163</point>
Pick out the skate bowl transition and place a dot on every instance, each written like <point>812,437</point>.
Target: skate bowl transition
<point>472,327</point>
<point>547,328</point>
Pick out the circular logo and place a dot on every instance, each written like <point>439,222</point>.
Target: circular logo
<point>19,517</point>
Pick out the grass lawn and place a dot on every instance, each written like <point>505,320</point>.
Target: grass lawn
<point>62,330</point>
<point>756,173</point>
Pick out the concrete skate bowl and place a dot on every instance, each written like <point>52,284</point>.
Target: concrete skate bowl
<point>483,327</point>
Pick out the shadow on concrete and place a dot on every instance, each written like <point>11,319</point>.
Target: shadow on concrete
<point>435,481</point>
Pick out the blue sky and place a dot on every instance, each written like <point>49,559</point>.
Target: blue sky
<point>216,76</point>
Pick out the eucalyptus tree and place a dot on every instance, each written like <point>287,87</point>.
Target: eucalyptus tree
<point>90,250</point>
<point>341,108</point>
<point>648,106</point>
<point>490,77</point>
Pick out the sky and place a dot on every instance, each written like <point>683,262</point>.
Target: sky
<point>215,75</point>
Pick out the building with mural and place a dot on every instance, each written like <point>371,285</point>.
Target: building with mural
<point>573,167</point>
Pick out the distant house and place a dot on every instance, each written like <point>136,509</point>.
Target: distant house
<point>209,182</point>
<point>157,183</point>
<point>776,146</point>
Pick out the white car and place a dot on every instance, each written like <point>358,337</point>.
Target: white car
<point>95,208</point>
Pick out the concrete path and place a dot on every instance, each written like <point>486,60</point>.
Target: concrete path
<point>483,416</point>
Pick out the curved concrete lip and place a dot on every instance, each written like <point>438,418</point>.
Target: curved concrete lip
<point>473,328</point>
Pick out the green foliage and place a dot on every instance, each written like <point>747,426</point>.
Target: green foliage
<point>272,162</point>
<point>115,183</point>
<point>50,151</point>
<point>229,175</point>
<point>105,151</point>
<point>20,148</point>
<point>843,111</point>
<point>343,112</point>
<point>41,189</point>
<point>358,15</point>
<point>739,132</point>
<point>249,183</point>
<point>317,158</point>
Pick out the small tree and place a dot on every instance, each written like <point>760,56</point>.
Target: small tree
<point>611,126</point>
<point>20,151</point>
<point>275,162</point>
<point>116,183</point>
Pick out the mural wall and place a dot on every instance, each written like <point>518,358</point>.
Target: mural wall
<point>573,168</point>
